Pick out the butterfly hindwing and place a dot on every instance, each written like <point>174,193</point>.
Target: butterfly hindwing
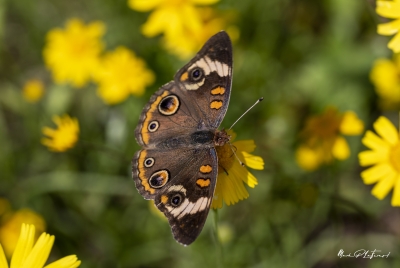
<point>190,176</point>
<point>187,201</point>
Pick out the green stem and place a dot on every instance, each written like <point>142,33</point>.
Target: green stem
<point>219,253</point>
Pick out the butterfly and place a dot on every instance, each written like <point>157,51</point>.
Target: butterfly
<point>177,166</point>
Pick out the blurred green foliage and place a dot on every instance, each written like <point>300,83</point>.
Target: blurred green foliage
<point>301,56</point>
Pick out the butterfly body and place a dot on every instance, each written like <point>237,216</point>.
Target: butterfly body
<point>177,166</point>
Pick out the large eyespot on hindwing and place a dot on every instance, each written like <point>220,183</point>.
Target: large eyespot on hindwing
<point>169,105</point>
<point>159,178</point>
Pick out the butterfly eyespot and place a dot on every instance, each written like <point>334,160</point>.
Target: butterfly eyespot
<point>169,105</point>
<point>153,126</point>
<point>176,200</point>
<point>196,74</point>
<point>159,179</point>
<point>149,162</point>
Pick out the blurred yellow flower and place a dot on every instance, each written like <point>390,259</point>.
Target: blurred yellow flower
<point>384,157</point>
<point>171,17</point>
<point>385,75</point>
<point>72,54</point>
<point>30,255</point>
<point>64,137</point>
<point>185,25</point>
<point>188,42</point>
<point>10,228</point>
<point>322,138</point>
<point>33,90</point>
<point>390,10</point>
<point>232,175</point>
<point>121,73</point>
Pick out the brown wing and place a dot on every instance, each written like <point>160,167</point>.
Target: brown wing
<point>182,184</point>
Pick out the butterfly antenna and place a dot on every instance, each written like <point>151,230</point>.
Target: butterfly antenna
<point>258,101</point>
<point>234,152</point>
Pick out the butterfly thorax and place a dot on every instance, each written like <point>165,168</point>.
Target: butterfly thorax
<point>221,138</point>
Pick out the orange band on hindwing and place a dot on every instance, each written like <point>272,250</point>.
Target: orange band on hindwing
<point>144,131</point>
<point>141,173</point>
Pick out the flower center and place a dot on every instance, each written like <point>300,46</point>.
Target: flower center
<point>395,156</point>
<point>226,158</point>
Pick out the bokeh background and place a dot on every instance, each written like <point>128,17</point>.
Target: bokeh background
<point>301,56</point>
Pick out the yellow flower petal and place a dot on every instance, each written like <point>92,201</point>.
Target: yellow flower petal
<point>120,74</point>
<point>33,90</point>
<point>40,252</point>
<point>156,25</point>
<point>396,192</point>
<point>368,158</point>
<point>250,180</point>
<point>389,28</point>
<point>245,145</point>
<point>10,229</point>
<point>253,161</point>
<point>72,54</point>
<point>64,137</point>
<point>383,187</point>
<point>230,187</point>
<point>375,173</point>
<point>144,5</point>
<point>66,262</point>
<point>24,246</point>
<point>385,76</point>
<point>340,149</point>
<point>386,130</point>
<point>307,158</point>
<point>204,2</point>
<point>351,124</point>
<point>3,260</point>
<point>388,9</point>
<point>372,141</point>
<point>26,256</point>
<point>394,44</point>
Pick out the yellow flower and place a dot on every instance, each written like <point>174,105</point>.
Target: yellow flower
<point>72,55</point>
<point>9,230</point>
<point>186,43</point>
<point>28,255</point>
<point>385,75</point>
<point>232,175</point>
<point>33,90</point>
<point>322,138</point>
<point>121,73</point>
<point>64,137</point>
<point>384,156</point>
<point>391,10</point>
<point>186,27</point>
<point>170,16</point>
